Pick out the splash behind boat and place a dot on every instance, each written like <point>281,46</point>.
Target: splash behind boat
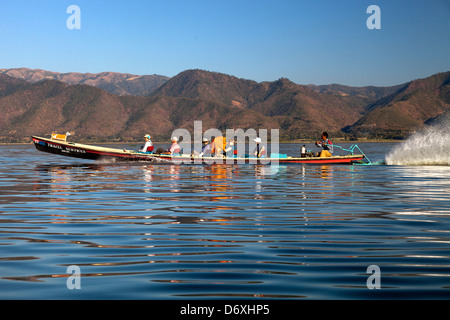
<point>62,147</point>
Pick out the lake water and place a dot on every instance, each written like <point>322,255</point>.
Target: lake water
<point>157,231</point>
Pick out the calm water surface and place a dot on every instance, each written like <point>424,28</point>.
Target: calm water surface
<point>154,231</point>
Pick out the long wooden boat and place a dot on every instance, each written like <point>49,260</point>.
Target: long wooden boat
<point>84,151</point>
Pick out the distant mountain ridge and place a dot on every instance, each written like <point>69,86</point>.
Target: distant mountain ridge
<point>114,82</point>
<point>39,107</point>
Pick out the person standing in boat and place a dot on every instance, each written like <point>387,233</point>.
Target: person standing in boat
<point>326,145</point>
<point>148,146</point>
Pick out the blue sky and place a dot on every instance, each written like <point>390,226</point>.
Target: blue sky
<point>307,41</point>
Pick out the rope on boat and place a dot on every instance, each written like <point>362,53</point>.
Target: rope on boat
<point>352,149</point>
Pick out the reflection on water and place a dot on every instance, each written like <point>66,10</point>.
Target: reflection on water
<point>149,231</point>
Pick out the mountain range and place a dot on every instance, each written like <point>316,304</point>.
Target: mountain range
<point>123,107</point>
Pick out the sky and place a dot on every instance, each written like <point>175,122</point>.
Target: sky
<point>307,41</point>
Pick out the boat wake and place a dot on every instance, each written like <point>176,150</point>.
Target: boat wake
<point>154,160</point>
<point>427,147</point>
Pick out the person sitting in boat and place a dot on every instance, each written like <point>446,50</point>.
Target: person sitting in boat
<point>175,148</point>
<point>326,145</point>
<point>233,145</point>
<point>148,146</point>
<point>206,148</point>
<point>219,146</point>
<point>260,151</point>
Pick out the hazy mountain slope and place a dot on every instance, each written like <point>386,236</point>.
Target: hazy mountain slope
<point>408,109</point>
<point>114,82</point>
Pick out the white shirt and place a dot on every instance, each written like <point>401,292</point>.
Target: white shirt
<point>147,144</point>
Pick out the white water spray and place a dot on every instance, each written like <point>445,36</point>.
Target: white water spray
<point>428,147</point>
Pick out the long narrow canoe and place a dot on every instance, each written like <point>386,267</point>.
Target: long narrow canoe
<point>84,151</point>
